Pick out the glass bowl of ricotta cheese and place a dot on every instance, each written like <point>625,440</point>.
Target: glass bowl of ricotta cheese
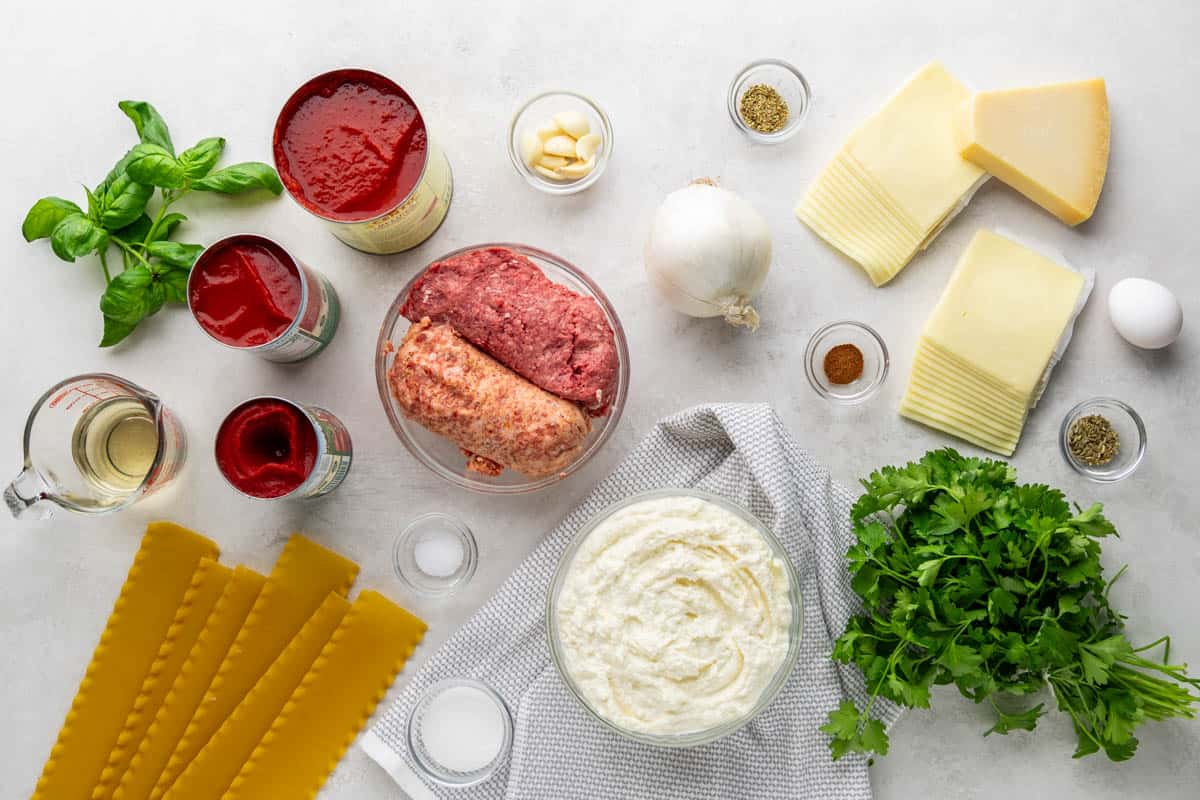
<point>674,617</point>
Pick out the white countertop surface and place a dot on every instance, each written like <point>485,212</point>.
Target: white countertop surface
<point>661,71</point>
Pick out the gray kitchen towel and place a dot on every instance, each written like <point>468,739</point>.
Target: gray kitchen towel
<point>743,453</point>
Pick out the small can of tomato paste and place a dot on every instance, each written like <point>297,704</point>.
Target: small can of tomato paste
<point>271,448</point>
<point>249,293</point>
<point>353,149</point>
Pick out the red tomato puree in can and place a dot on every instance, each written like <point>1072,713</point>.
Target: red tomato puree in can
<point>266,447</point>
<point>245,292</point>
<point>350,145</point>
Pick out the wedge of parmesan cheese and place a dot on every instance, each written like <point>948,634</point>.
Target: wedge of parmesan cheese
<point>1050,143</point>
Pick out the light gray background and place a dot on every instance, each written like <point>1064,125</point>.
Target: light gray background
<point>661,71</point>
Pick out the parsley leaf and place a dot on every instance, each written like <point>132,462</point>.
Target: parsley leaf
<point>971,579</point>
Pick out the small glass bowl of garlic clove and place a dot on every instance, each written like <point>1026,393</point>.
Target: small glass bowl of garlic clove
<point>560,142</point>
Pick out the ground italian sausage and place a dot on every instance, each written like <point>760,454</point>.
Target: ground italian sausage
<point>503,304</point>
<point>453,389</point>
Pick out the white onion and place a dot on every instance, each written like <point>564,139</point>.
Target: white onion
<point>708,253</point>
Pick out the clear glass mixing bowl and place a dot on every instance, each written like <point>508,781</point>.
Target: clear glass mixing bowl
<point>440,454</point>
<point>769,693</point>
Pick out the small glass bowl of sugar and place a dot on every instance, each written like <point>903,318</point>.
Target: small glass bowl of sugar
<point>435,554</point>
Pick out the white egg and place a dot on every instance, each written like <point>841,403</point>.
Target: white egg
<point>1146,313</point>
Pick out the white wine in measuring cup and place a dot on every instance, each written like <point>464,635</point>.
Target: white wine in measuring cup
<point>95,444</point>
<point>114,445</point>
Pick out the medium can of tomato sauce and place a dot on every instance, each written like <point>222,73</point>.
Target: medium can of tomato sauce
<point>270,448</point>
<point>249,293</point>
<point>353,149</point>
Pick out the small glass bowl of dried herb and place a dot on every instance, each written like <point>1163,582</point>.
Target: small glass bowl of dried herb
<point>768,99</point>
<point>846,362</point>
<point>1103,439</point>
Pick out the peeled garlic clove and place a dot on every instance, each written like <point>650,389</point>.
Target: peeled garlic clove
<point>587,146</point>
<point>577,169</point>
<point>553,162</point>
<point>546,173</point>
<point>531,148</point>
<point>560,146</point>
<point>572,122</point>
<point>547,129</point>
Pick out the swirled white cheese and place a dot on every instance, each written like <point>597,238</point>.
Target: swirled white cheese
<point>674,616</point>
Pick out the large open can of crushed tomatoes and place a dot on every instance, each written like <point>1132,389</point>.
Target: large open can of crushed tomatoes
<point>353,149</point>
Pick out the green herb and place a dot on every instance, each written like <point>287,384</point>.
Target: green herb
<point>763,108</point>
<point>154,269</point>
<point>968,578</point>
<point>1093,440</point>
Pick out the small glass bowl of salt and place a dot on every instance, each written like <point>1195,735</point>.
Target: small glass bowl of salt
<point>460,732</point>
<point>435,554</point>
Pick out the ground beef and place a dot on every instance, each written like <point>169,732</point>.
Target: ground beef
<point>502,303</point>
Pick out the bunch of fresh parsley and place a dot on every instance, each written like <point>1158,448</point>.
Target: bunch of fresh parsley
<point>155,269</point>
<point>971,579</point>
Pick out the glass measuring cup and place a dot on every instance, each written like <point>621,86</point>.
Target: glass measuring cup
<point>95,444</point>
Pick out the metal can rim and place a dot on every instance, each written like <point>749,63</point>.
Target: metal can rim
<point>304,292</point>
<point>349,71</point>
<point>322,445</point>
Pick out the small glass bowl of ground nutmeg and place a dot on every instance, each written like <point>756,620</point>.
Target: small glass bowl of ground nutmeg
<point>846,362</point>
<point>768,99</point>
<point>1103,439</point>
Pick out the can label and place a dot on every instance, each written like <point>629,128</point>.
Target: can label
<point>335,453</point>
<point>411,222</point>
<point>317,322</point>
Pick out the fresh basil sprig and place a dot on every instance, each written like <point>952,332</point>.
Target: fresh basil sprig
<point>154,268</point>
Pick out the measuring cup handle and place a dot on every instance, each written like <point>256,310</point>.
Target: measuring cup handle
<point>26,496</point>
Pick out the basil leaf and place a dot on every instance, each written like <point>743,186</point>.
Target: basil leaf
<point>124,201</point>
<point>76,235</point>
<point>175,253</point>
<point>93,211</point>
<point>199,159</point>
<point>135,232</point>
<point>118,169</point>
<point>174,283</point>
<point>151,128</point>
<point>154,165</point>
<point>127,298</point>
<point>115,330</point>
<point>168,225</point>
<point>45,215</point>
<point>241,178</point>
<point>156,295</point>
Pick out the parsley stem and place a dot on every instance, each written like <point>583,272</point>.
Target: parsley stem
<point>1064,702</point>
<point>1117,577</point>
<point>906,580</point>
<point>887,670</point>
<point>1156,642</point>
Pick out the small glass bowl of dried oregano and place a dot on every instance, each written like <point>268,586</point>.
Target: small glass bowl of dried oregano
<point>768,99</point>
<point>1103,439</point>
